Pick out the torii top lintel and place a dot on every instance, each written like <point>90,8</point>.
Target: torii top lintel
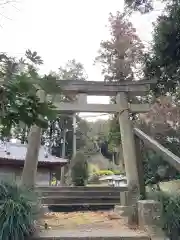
<point>102,88</point>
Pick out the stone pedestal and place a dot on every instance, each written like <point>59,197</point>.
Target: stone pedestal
<point>149,214</point>
<point>123,198</point>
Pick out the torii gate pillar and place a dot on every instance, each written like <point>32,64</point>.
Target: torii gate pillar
<point>129,153</point>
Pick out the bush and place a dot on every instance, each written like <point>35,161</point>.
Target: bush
<point>94,178</point>
<point>79,170</point>
<point>92,168</point>
<point>17,212</point>
<point>152,162</point>
<point>118,172</point>
<point>102,173</point>
<point>170,212</point>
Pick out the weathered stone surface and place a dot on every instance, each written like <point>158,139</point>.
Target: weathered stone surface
<point>149,213</point>
<point>123,198</point>
<point>91,234</point>
<point>43,210</point>
<point>121,210</point>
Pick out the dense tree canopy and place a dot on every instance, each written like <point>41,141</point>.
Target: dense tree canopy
<point>72,70</point>
<point>162,61</point>
<point>121,59</point>
<point>21,107</point>
<point>143,6</point>
<point>121,55</point>
<point>18,93</point>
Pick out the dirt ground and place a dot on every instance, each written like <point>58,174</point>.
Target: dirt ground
<point>84,220</point>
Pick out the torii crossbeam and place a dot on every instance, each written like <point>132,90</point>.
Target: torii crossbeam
<point>102,88</point>
<point>84,88</point>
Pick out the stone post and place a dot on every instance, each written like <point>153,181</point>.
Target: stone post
<point>140,168</point>
<point>63,156</point>
<point>149,215</point>
<point>74,135</point>
<point>129,154</point>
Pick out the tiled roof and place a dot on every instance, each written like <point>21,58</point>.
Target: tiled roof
<point>18,152</point>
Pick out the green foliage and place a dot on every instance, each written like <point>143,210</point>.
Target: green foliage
<point>118,172</point>
<point>152,163</point>
<point>92,168</point>
<point>79,170</point>
<point>18,92</point>
<point>17,212</point>
<point>101,173</point>
<point>162,62</point>
<point>73,70</point>
<point>143,6</point>
<point>114,136</point>
<point>119,55</point>
<point>94,178</point>
<point>170,216</point>
<point>33,57</point>
<point>22,104</point>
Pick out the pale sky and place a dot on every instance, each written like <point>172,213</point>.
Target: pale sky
<point>60,30</point>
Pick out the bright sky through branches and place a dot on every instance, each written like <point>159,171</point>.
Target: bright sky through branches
<point>60,30</point>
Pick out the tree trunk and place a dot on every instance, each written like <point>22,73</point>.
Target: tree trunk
<point>63,156</point>
<point>31,160</point>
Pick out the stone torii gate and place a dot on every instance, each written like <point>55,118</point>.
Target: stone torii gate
<point>122,91</point>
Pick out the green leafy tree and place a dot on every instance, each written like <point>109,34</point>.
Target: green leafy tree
<point>79,170</point>
<point>45,85</point>
<point>121,54</point>
<point>18,95</point>
<point>162,62</point>
<point>72,70</point>
<point>60,129</point>
<point>161,123</point>
<point>143,6</point>
<point>120,57</point>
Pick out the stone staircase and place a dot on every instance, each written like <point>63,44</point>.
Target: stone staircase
<point>96,196</point>
<point>80,196</point>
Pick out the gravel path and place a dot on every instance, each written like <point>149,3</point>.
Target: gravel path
<point>88,224</point>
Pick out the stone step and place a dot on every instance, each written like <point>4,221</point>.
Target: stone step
<point>89,197</point>
<point>72,201</point>
<point>92,234</point>
<point>80,204</point>
<point>80,193</point>
<point>88,189</point>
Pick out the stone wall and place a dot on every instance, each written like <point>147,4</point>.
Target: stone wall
<point>14,174</point>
